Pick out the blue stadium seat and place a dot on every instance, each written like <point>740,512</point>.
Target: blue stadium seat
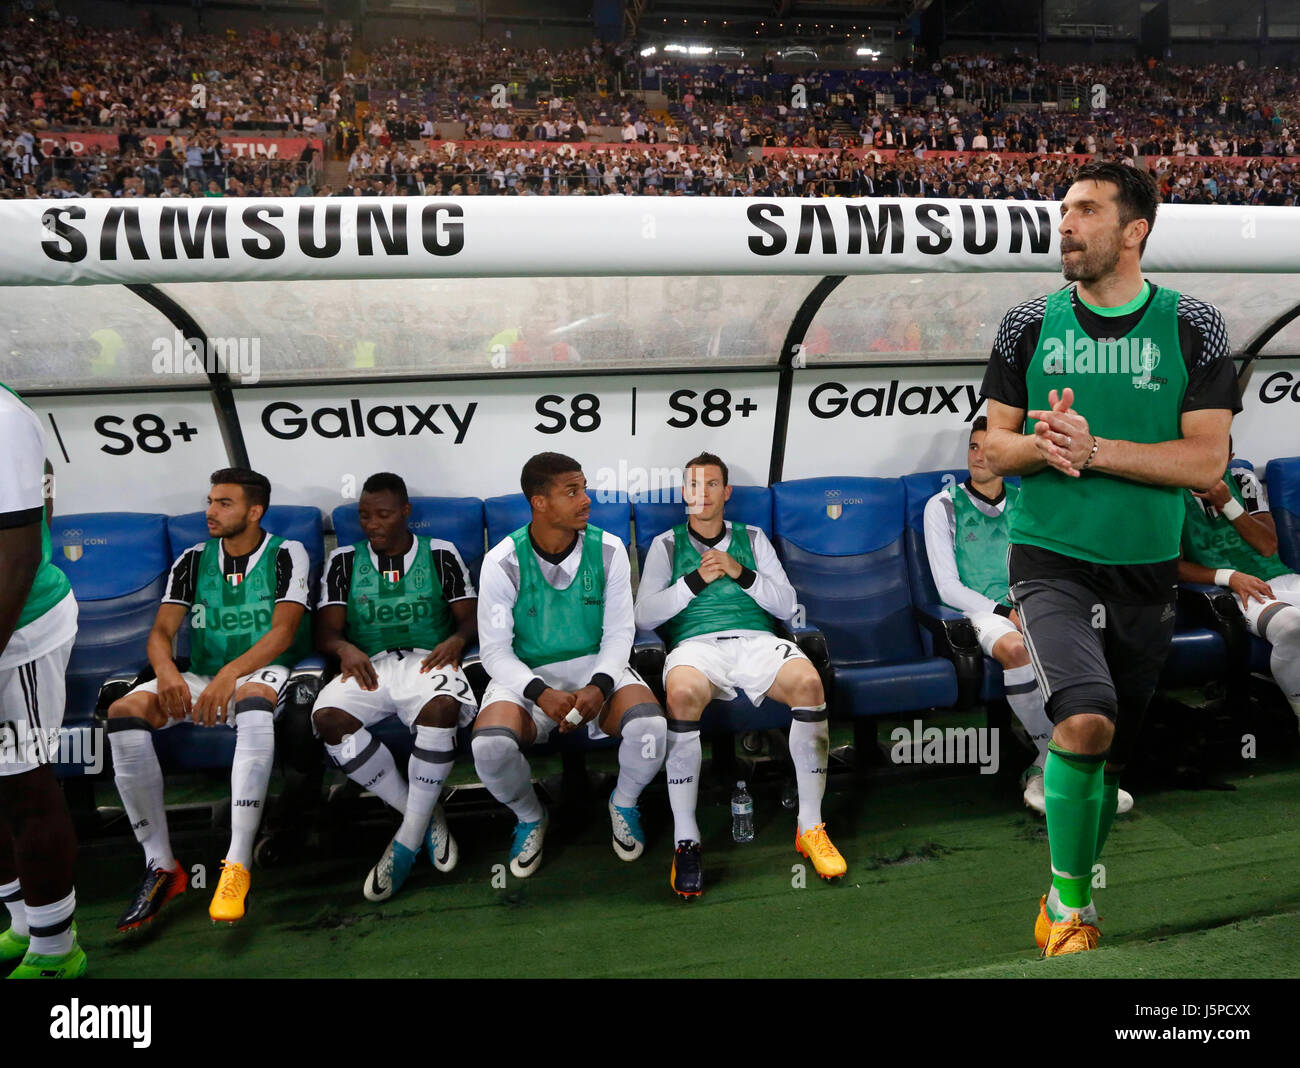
<point>748,504</point>
<point>458,520</point>
<point>917,490</point>
<point>841,540</point>
<point>117,564</point>
<point>508,513</point>
<point>1282,478</point>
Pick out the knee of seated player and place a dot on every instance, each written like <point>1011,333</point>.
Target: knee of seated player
<point>800,685</point>
<point>1010,651</point>
<point>252,690</point>
<point>494,744</point>
<point>688,693</point>
<point>143,706</point>
<point>333,724</point>
<point>440,712</point>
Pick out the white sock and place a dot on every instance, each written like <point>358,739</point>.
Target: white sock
<point>640,753</point>
<point>1088,914</point>
<point>430,764</point>
<point>139,780</point>
<point>12,895</point>
<point>370,764</point>
<point>56,919</point>
<point>1026,700</point>
<point>810,746</point>
<point>249,777</point>
<point>683,770</point>
<point>502,768</point>
<point>1283,630</point>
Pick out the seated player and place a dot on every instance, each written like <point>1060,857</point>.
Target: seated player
<point>245,593</point>
<point>1229,539</point>
<point>717,590</point>
<point>555,631</point>
<point>966,541</point>
<point>38,626</point>
<point>397,611</point>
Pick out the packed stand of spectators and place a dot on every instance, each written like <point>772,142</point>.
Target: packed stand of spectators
<point>59,79</point>
<point>676,171</point>
<point>172,102</point>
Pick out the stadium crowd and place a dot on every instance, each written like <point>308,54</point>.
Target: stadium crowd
<point>174,101</point>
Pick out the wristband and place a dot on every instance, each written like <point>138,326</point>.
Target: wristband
<point>1223,577</point>
<point>1233,510</point>
<point>1092,455</point>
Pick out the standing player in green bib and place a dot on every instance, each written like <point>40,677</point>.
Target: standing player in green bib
<point>1229,539</point>
<point>38,626</point>
<point>717,591</point>
<point>555,627</point>
<point>1107,397</point>
<point>244,591</point>
<point>398,612</point>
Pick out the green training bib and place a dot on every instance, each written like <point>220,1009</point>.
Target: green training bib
<point>409,613</point>
<point>722,604</point>
<point>1130,388</point>
<point>553,625</point>
<point>227,619</point>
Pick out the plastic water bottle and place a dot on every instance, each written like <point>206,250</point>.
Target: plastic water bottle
<point>742,814</point>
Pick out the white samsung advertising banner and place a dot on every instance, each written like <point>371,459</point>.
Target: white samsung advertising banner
<point>881,422</point>
<point>154,452</point>
<point>631,433</point>
<point>96,241</point>
<point>890,421</point>
<point>131,452</point>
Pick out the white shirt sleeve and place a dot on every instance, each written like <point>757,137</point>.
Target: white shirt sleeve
<point>943,561</point>
<point>22,446</point>
<point>658,598</point>
<point>771,588</point>
<point>620,625</point>
<point>332,587</point>
<point>496,622</point>
<point>296,590</point>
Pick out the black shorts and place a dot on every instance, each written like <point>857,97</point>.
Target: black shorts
<point>1091,652</point>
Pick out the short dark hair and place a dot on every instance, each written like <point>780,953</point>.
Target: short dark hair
<point>707,459</point>
<point>541,470</point>
<point>257,487</point>
<point>387,482</point>
<point>1137,196</point>
<point>981,423</point>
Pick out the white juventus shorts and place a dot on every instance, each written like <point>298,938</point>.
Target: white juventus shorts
<point>740,663</point>
<point>1286,588</point>
<point>32,697</point>
<point>273,675</point>
<point>403,690</point>
<point>570,675</point>
<point>990,628</point>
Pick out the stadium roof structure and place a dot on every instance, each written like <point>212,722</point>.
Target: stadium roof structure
<point>413,288</point>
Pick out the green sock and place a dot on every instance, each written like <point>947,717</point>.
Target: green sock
<point>1072,785</point>
<point>1109,803</point>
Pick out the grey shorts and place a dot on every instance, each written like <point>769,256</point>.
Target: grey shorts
<point>1110,651</point>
